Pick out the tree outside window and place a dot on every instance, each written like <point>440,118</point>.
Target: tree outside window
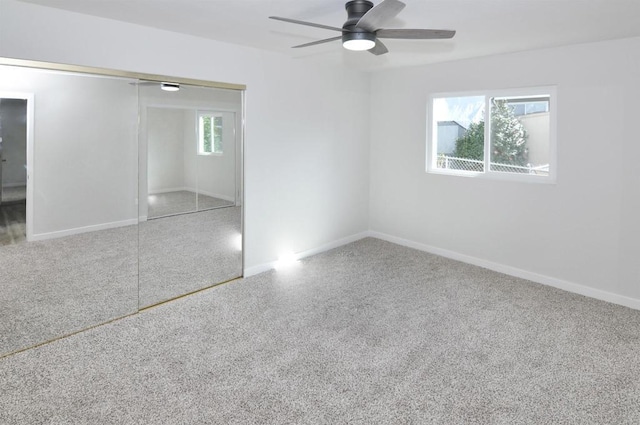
<point>209,134</point>
<point>517,125</point>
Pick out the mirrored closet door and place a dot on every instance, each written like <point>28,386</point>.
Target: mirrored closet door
<point>68,232</point>
<point>190,192</point>
<point>115,195</point>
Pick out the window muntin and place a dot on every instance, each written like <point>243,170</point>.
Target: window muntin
<point>520,131</point>
<point>209,133</point>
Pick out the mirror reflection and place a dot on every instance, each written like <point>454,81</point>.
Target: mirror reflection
<point>13,170</point>
<point>180,178</point>
<point>190,212</point>
<point>114,195</point>
<point>68,217</point>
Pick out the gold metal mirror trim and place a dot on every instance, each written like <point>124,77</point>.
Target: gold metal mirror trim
<point>117,73</point>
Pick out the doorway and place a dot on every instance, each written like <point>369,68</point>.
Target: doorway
<point>14,176</point>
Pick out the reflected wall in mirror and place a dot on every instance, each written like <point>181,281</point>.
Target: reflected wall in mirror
<point>190,189</point>
<point>68,212</point>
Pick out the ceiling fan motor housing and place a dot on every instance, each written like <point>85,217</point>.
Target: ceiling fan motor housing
<point>355,10</point>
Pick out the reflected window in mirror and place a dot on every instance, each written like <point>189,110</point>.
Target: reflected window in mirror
<point>209,133</point>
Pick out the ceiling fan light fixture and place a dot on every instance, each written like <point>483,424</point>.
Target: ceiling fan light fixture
<point>170,86</point>
<point>358,41</point>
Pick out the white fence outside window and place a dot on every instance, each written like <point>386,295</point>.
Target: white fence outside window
<point>454,163</point>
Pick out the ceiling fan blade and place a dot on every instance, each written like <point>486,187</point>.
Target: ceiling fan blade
<point>380,14</point>
<point>379,48</point>
<point>415,34</point>
<point>309,24</point>
<point>313,43</point>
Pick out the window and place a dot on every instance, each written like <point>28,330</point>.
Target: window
<point>520,132</point>
<point>209,133</point>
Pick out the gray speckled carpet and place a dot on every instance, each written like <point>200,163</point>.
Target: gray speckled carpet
<point>367,333</point>
<point>183,253</point>
<point>58,286</point>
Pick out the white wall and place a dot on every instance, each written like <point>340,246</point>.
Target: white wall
<point>13,130</point>
<point>165,135</point>
<point>306,152</point>
<point>189,148</point>
<point>582,233</point>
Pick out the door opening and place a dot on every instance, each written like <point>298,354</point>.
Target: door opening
<point>13,169</point>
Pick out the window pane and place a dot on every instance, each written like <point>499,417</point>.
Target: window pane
<point>520,135</point>
<point>459,133</point>
<point>217,134</point>
<point>206,134</point>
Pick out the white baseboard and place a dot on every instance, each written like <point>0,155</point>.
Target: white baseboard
<point>167,190</point>
<point>192,190</point>
<point>260,268</point>
<point>516,272</point>
<point>214,195</point>
<point>14,184</point>
<point>78,230</point>
<point>253,270</point>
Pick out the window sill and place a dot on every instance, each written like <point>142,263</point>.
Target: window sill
<point>512,177</point>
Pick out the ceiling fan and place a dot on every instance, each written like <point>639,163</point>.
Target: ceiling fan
<point>363,28</point>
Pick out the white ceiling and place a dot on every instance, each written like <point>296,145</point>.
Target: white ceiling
<point>484,27</point>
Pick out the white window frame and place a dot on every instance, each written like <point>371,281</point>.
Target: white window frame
<point>199,140</point>
<point>432,157</point>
